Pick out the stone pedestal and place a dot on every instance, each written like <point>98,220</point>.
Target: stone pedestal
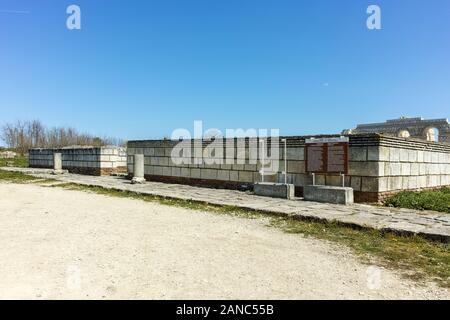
<point>274,190</point>
<point>138,169</point>
<point>328,194</point>
<point>57,163</point>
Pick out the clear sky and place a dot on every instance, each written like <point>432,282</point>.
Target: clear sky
<point>140,69</point>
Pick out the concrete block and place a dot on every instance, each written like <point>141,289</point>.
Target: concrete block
<point>274,190</point>
<point>328,194</point>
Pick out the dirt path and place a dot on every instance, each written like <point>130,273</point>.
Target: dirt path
<point>59,244</point>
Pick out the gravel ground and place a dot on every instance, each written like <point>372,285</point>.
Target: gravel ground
<point>61,244</point>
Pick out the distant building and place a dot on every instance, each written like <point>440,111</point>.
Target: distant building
<point>404,127</point>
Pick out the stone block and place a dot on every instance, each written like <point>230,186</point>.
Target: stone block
<point>421,181</point>
<point>196,173</point>
<point>404,155</point>
<point>406,169</point>
<point>176,171</point>
<point>357,154</point>
<point>209,174</point>
<point>295,153</point>
<point>250,167</point>
<point>185,172</point>
<point>328,194</point>
<point>368,169</point>
<point>223,175</point>
<point>234,176</point>
<point>395,183</point>
<point>414,169</point>
<point>369,184</point>
<point>334,180</point>
<point>150,170</point>
<point>420,156</point>
<point>383,184</point>
<point>320,179</point>
<point>167,171</point>
<point>394,155</point>
<point>274,190</point>
<point>245,176</point>
<point>160,152</point>
<point>149,151</point>
<point>355,183</point>
<point>294,166</point>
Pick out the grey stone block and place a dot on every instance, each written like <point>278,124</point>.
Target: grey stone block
<point>328,194</point>
<point>274,190</point>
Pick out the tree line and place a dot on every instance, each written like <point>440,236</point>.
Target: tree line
<point>23,135</point>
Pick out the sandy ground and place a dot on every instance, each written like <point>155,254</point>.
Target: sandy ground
<point>58,244</point>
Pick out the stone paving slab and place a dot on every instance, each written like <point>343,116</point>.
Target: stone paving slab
<point>429,224</point>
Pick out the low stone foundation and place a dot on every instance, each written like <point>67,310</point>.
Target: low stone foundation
<point>379,166</point>
<point>95,161</point>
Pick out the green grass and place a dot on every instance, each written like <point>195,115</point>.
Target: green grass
<point>16,177</point>
<point>19,161</point>
<point>437,200</point>
<point>416,257</point>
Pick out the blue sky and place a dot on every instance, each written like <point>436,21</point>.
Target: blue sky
<point>140,69</point>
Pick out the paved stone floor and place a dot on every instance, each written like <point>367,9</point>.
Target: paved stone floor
<point>432,225</point>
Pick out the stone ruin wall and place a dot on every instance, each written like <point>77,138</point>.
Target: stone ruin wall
<point>82,160</point>
<point>379,166</point>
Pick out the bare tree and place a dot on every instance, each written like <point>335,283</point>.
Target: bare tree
<point>23,135</point>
